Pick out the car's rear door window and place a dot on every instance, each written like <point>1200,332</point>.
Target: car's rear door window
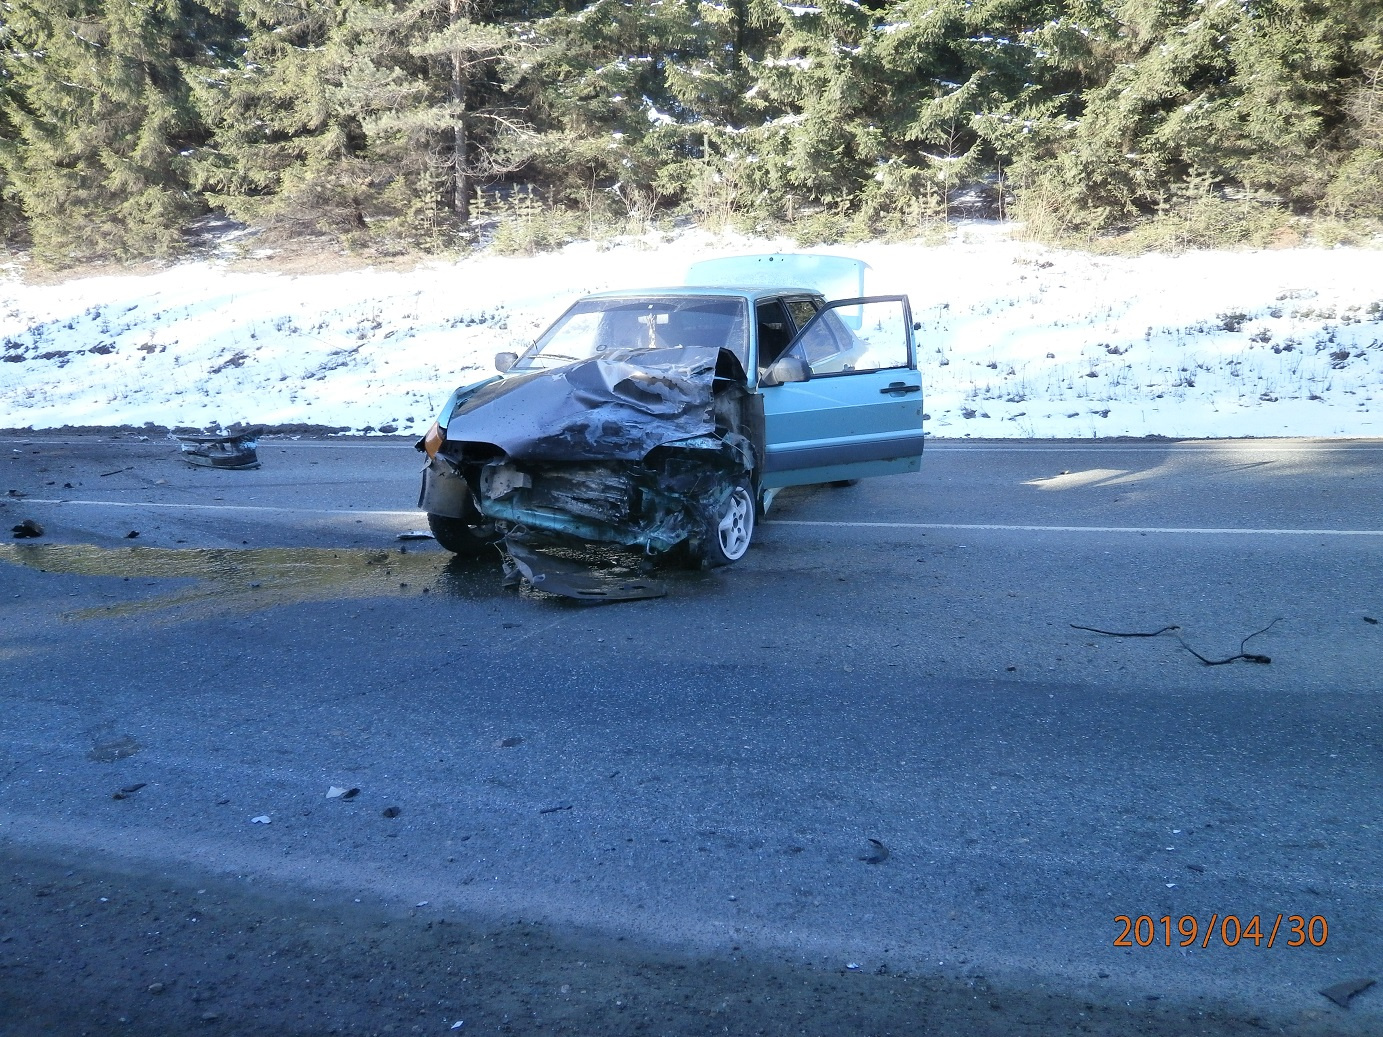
<point>775,331</point>
<point>802,310</point>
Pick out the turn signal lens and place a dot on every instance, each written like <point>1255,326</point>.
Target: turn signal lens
<point>432,442</point>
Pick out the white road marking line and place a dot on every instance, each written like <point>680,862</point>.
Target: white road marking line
<point>934,443</point>
<point>223,507</point>
<point>1079,529</point>
<point>361,512</point>
<point>264,445</point>
<point>1235,446</point>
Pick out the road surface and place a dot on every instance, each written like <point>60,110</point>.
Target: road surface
<point>870,779</point>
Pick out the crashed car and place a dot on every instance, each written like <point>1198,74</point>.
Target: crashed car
<point>665,419</point>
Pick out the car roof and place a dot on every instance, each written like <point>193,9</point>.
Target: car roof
<point>752,294</point>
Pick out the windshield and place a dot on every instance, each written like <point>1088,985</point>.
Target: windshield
<point>594,327</point>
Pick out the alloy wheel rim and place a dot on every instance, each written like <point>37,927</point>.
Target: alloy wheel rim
<point>737,527</point>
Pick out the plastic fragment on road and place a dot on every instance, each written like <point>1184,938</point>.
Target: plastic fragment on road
<point>262,819</point>
<point>1341,993</point>
<point>220,450</point>
<point>878,853</point>
<point>337,792</point>
<point>113,749</point>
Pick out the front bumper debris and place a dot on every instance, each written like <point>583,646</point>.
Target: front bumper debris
<point>220,450</point>
<point>568,579</point>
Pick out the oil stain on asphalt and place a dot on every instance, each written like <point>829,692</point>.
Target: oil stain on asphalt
<point>251,579</point>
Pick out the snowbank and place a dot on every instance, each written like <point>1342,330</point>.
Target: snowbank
<point>1017,340</point>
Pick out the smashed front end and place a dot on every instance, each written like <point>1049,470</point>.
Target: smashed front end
<point>633,447</point>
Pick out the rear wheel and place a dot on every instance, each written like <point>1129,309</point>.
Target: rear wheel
<point>728,528</point>
<point>460,536</point>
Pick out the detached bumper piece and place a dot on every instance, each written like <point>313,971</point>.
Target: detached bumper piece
<point>570,579</point>
<point>220,451</point>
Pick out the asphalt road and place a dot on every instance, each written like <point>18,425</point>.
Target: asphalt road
<point>869,780</point>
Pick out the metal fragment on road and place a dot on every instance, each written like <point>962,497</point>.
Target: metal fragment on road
<point>415,534</point>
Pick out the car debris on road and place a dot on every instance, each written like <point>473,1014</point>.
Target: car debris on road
<point>1341,993</point>
<point>219,449</point>
<point>27,530</point>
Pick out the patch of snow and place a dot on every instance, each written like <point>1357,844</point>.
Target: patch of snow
<point>656,117</point>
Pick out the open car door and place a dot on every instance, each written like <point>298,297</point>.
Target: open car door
<point>859,411</point>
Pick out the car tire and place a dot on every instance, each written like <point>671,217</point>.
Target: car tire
<point>728,528</point>
<point>460,537</point>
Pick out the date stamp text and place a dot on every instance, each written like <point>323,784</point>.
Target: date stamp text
<point>1229,930</point>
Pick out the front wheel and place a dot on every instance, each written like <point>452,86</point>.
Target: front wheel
<point>460,537</point>
<point>728,527</point>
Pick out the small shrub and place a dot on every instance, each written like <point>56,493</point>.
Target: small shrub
<point>524,225</point>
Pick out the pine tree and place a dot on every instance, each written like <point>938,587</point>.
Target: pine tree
<point>625,92</point>
<point>368,117</point>
<point>11,220</point>
<point>281,151</point>
<point>881,107</point>
<point>1207,99</point>
<point>956,72</point>
<point>431,82</point>
<point>101,119</point>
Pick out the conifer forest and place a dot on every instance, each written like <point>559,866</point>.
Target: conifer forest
<point>421,124</point>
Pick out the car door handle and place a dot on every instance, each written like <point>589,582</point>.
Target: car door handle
<point>900,388</point>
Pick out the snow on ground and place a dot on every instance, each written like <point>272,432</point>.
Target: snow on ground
<point>1017,340</point>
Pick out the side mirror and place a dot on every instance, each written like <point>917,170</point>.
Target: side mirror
<point>787,369</point>
<point>505,360</point>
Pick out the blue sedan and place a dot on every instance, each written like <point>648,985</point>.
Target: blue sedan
<point>665,419</point>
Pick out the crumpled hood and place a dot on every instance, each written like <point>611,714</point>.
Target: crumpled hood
<point>615,407</point>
